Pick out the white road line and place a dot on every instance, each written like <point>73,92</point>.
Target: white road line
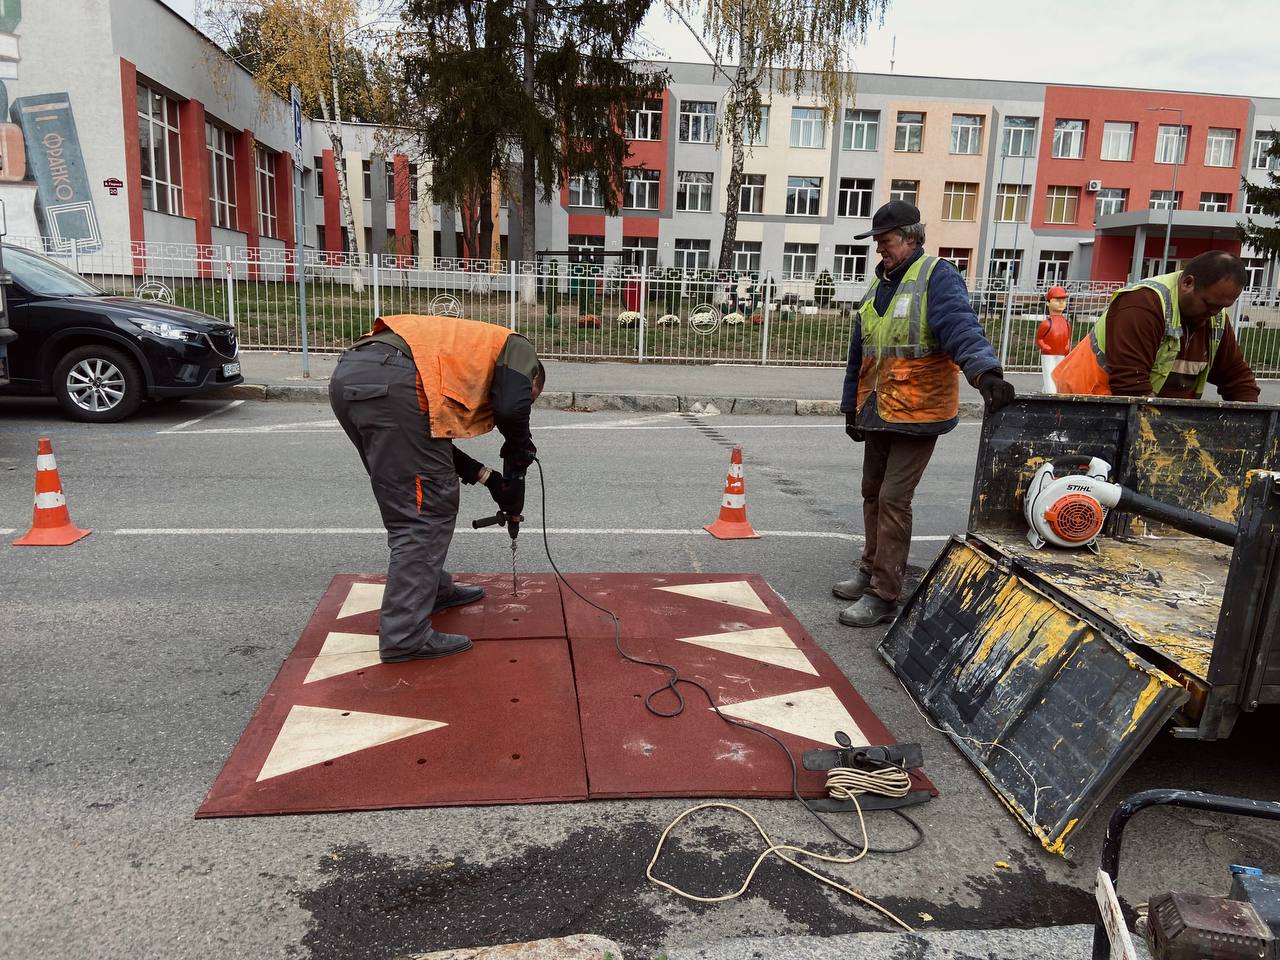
<point>588,531</point>
<point>5,531</point>
<point>189,423</point>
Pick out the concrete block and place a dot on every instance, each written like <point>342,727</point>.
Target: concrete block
<point>637,402</point>
<point>818,408</point>
<point>555,400</point>
<point>299,393</point>
<point>771,406</point>
<point>243,391</point>
<point>578,947</point>
<point>706,406</point>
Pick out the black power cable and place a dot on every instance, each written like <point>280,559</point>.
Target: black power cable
<point>674,679</point>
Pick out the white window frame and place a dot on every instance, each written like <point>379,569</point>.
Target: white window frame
<point>264,162</point>
<point>640,252</point>
<point>799,261</point>
<point>1255,271</point>
<point>1068,140</point>
<point>759,137</point>
<point>221,146</point>
<point>1160,200</point>
<point>908,135</point>
<point>645,121</point>
<point>693,191</point>
<point>861,130</point>
<point>413,186</point>
<point>1013,202</point>
<point>1005,263</point>
<point>163,124</point>
<point>640,185</point>
<point>697,125</point>
<point>586,188</point>
<point>1171,143</point>
<point>808,128</point>
<point>806,193</point>
<point>959,257</point>
<point>1117,141</point>
<point>1220,147</point>
<point>1258,159</point>
<point>591,244</point>
<point>366,178</point>
<point>912,196</point>
<point>966,134</point>
<point>319,162</point>
<point>1215,205</point>
<point>751,193</point>
<point>1020,135</point>
<point>857,199</point>
<point>1059,201</point>
<point>1110,201</point>
<point>954,191</point>
<point>690,254</point>
<point>1053,267</point>
<point>746,256</point>
<point>850,261</point>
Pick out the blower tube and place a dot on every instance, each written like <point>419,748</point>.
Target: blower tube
<point>1188,521</point>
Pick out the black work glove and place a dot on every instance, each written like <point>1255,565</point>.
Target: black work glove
<point>996,391</point>
<point>518,453</point>
<point>851,429</point>
<point>511,502</point>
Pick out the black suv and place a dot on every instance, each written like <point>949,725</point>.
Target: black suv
<point>100,354</point>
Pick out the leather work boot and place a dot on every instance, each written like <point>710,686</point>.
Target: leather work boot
<point>853,588</point>
<point>440,645</point>
<point>460,596</point>
<point>868,611</point>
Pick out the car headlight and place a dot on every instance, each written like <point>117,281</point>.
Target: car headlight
<point>166,330</point>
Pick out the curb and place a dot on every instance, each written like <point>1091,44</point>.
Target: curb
<point>592,402</point>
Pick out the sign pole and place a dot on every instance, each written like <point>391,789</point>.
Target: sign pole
<point>295,98</point>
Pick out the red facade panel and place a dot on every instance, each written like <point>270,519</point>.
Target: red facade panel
<point>332,204</point>
<point>404,229</point>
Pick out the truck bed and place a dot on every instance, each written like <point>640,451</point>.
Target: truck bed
<point>1165,593</point>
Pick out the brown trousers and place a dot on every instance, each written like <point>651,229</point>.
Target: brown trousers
<point>892,465</point>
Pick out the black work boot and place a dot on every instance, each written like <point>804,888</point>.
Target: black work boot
<point>459,596</point>
<point>440,645</point>
<point>868,611</point>
<point>853,588</point>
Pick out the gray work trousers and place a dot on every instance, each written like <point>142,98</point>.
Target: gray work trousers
<point>374,395</point>
<point>892,465</point>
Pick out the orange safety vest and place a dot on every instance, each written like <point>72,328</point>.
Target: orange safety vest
<point>455,360</point>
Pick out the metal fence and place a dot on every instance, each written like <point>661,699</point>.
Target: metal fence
<point>577,311</point>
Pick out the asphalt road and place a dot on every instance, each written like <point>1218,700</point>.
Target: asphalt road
<point>135,658</point>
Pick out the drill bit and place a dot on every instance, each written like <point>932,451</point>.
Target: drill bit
<point>515,589</point>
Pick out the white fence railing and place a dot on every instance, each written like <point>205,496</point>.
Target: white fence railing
<point>578,311</point>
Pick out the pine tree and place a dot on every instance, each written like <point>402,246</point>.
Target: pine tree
<point>1266,198</point>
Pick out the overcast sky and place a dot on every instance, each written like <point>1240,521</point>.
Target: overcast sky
<point>1164,44</point>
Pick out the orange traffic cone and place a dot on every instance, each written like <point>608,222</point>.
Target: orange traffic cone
<point>50,522</point>
<point>732,523</point>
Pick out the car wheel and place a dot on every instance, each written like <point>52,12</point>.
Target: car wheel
<point>97,384</point>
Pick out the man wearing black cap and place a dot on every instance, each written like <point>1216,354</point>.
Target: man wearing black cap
<point>902,391</point>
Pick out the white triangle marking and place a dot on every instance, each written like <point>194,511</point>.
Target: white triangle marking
<point>768,644</point>
<point>815,714</point>
<point>362,598</point>
<point>737,593</point>
<point>312,735</point>
<point>342,653</point>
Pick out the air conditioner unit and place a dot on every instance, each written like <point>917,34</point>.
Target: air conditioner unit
<point>1094,186</point>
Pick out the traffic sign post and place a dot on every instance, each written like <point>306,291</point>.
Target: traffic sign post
<point>295,98</point>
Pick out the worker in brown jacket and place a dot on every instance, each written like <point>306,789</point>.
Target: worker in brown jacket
<point>1166,336</point>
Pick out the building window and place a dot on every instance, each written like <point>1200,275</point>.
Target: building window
<point>1258,160</point>
<point>759,136</point>
<point>799,260</point>
<point>640,189</point>
<point>1012,200</point>
<point>1053,266</point>
<point>851,262</point>
<point>413,185</point>
<point>1220,149</point>
<point>222,174</point>
<point>161,153</point>
<point>861,130</point>
<point>856,197</point>
<point>693,254</point>
<point>1117,141</point>
<point>265,163</point>
<point>1171,143</point>
<point>1215,202</point>
<point>1005,264</point>
<point>746,256</point>
<point>959,257</point>
<point>1160,200</point>
<point>1063,205</point>
<point>959,200</point>
<point>645,121</point>
<point>908,190</point>
<point>1018,138</point>
<point>909,133</point>
<point>1110,200</point>
<point>804,196</point>
<point>584,190</point>
<point>1251,209</point>
<point>319,162</point>
<point>1255,271</point>
<point>808,127</point>
<point>585,249</point>
<point>1068,139</point>
<point>693,191</point>
<point>366,179</point>
<point>751,193</point>
<point>389,179</point>
<point>966,133</point>
<point>640,252</point>
<point>697,121</point>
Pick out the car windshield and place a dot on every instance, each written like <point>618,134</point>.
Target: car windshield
<point>42,277</point>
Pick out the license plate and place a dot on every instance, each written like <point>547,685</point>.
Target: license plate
<point>230,369</point>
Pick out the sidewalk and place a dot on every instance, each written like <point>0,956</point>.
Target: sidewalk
<point>647,387</point>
